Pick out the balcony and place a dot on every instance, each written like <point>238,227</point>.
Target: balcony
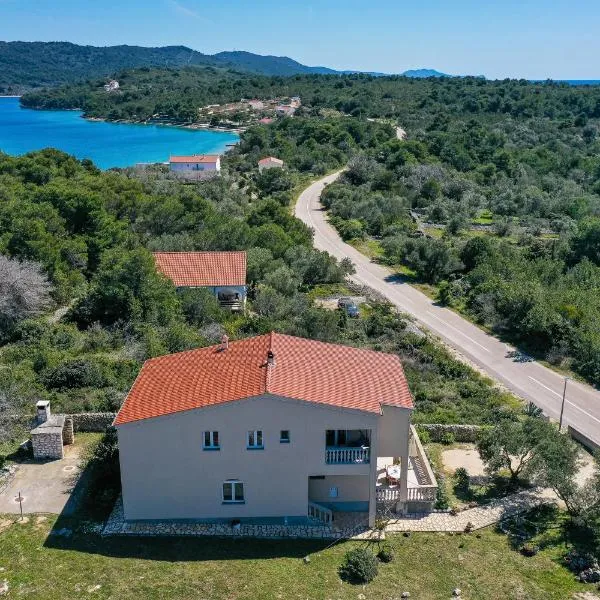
<point>347,446</point>
<point>345,455</point>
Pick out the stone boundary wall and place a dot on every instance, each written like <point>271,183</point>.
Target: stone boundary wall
<point>462,433</point>
<point>92,422</point>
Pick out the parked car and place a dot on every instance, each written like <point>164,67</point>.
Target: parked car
<point>344,302</point>
<point>352,311</point>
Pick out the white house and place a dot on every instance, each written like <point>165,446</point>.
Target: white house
<point>197,166</point>
<point>111,86</point>
<point>272,427</point>
<point>284,110</point>
<point>270,162</point>
<point>256,104</point>
<point>223,273</point>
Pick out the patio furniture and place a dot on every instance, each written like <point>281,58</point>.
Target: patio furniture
<point>392,473</point>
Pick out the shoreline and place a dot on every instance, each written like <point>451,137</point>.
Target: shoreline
<point>190,126</point>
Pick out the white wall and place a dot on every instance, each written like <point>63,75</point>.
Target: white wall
<point>394,428</point>
<point>167,475</point>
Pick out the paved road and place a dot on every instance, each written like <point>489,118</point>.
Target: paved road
<point>529,380</point>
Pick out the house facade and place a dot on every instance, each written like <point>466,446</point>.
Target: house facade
<point>197,166</point>
<point>223,273</point>
<point>272,428</point>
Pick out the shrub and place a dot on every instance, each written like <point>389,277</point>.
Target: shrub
<point>359,566</point>
<point>469,527</point>
<point>529,550</point>
<point>75,373</point>
<point>461,479</point>
<point>424,436</point>
<point>448,438</point>
<point>386,554</point>
<point>441,501</point>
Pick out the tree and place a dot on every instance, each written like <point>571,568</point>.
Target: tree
<point>431,259</point>
<point>24,292</point>
<point>127,287</point>
<point>515,446</point>
<point>555,465</point>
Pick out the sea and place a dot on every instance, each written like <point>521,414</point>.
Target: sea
<point>108,145</point>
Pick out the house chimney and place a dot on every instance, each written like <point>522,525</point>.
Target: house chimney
<point>224,342</point>
<point>270,358</point>
<point>42,411</point>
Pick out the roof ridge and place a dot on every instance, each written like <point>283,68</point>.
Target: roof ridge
<point>268,366</point>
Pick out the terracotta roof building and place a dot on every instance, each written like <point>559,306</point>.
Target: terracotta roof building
<point>269,162</point>
<point>196,166</point>
<point>303,369</point>
<point>273,427</point>
<point>223,272</point>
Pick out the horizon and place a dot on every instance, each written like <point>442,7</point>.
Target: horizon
<point>500,41</point>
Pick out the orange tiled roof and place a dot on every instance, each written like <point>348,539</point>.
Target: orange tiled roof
<point>195,158</point>
<point>303,369</point>
<point>190,269</point>
<point>270,159</point>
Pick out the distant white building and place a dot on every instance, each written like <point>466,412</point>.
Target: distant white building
<point>256,104</point>
<point>111,86</point>
<point>197,166</point>
<point>270,162</point>
<point>284,110</point>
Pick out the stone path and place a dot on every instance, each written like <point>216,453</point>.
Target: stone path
<point>115,525</point>
<point>479,517</point>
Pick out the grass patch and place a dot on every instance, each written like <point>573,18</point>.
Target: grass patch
<point>370,247</point>
<point>429,566</point>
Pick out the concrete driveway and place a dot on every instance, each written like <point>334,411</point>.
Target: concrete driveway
<point>528,379</point>
<point>46,486</point>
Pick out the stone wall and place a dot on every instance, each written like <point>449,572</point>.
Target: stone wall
<point>462,433</point>
<point>47,445</point>
<point>68,433</point>
<point>95,422</point>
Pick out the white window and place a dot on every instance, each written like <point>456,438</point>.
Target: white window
<point>211,440</point>
<point>233,491</point>
<point>255,439</point>
<point>284,436</point>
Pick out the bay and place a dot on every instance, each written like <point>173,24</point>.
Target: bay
<point>108,145</point>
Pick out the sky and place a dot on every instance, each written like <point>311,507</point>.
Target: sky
<point>533,39</point>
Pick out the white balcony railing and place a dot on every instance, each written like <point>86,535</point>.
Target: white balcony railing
<point>320,513</point>
<point>423,493</point>
<point>341,455</point>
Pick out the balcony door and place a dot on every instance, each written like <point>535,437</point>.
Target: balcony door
<point>336,437</point>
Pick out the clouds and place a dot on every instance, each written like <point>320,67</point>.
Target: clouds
<point>185,11</point>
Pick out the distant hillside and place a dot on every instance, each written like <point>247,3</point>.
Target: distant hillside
<point>29,65</point>
<point>421,73</point>
<point>270,65</point>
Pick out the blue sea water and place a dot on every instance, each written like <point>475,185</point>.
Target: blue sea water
<point>107,144</point>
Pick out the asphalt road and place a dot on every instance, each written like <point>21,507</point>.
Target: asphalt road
<point>526,378</point>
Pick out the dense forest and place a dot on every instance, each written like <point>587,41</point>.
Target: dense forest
<point>27,65</point>
<point>492,199</point>
<point>83,304</point>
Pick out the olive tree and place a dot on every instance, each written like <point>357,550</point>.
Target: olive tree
<point>24,292</point>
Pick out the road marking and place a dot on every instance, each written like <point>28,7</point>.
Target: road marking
<point>458,331</point>
<point>585,412</point>
<point>545,386</point>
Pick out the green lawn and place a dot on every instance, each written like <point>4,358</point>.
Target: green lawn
<point>429,566</point>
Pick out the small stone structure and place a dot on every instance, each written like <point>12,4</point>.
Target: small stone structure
<point>52,432</point>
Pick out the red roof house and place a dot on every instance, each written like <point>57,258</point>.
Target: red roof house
<point>223,272</point>
<point>273,427</point>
